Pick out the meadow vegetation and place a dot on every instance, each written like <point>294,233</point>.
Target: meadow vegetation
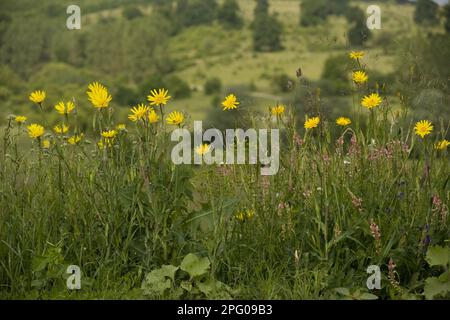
<point>87,178</point>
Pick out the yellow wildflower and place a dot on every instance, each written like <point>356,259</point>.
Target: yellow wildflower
<point>278,110</point>
<point>159,97</point>
<point>138,113</point>
<point>230,102</point>
<point>20,119</point>
<point>371,101</point>
<point>202,149</point>
<point>359,77</point>
<point>442,145</point>
<point>175,117</point>
<point>75,139</point>
<point>356,55</point>
<point>98,95</point>
<point>423,128</point>
<point>65,109</point>
<point>153,116</point>
<point>37,96</point>
<point>46,144</point>
<point>342,121</point>
<point>61,129</point>
<point>35,131</point>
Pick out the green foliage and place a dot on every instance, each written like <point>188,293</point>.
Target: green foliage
<point>355,294</point>
<point>426,12</point>
<point>267,32</point>
<point>446,17</point>
<point>281,82</point>
<point>131,12</point>
<point>358,33</point>
<point>197,284</point>
<point>213,85</point>
<point>313,12</point>
<point>438,286</point>
<point>228,14</point>
<point>195,12</point>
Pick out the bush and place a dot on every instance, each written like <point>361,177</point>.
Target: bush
<point>281,82</point>
<point>213,85</point>
<point>131,12</point>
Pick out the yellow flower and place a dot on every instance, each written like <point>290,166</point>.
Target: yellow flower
<point>37,96</point>
<point>20,119</point>
<point>35,131</point>
<point>121,127</point>
<point>230,102</point>
<point>371,101</point>
<point>64,108</point>
<point>60,129</point>
<point>312,123</point>
<point>342,121</point>
<point>442,145</point>
<point>139,112</point>
<point>46,144</point>
<point>202,149</point>
<point>159,97</point>
<point>175,117</point>
<point>100,145</point>
<point>359,77</point>
<point>356,55</point>
<point>278,110</point>
<point>75,139</point>
<point>245,215</point>
<point>153,116</point>
<point>98,95</point>
<point>109,134</point>
<point>423,128</point>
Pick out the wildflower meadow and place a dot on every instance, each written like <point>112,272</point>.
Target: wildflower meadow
<point>367,188</point>
<point>102,201</point>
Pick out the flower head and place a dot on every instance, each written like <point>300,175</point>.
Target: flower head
<point>356,55</point>
<point>371,101</point>
<point>138,113</point>
<point>46,144</point>
<point>153,116</point>
<point>37,96</point>
<point>278,110</point>
<point>159,97</point>
<point>312,123</point>
<point>423,128</point>
<point>202,149</point>
<point>61,129</point>
<point>342,121</point>
<point>245,215</point>
<point>442,145</point>
<point>35,131</point>
<point>20,119</point>
<point>65,109</point>
<point>359,77</point>
<point>230,102</point>
<point>175,117</point>
<point>121,127</point>
<point>109,134</point>
<point>98,95</point>
<point>75,139</point>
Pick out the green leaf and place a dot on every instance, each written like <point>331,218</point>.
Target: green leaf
<point>368,296</point>
<point>438,256</point>
<point>343,291</point>
<point>39,263</point>
<point>159,280</point>
<point>434,287</point>
<point>194,265</point>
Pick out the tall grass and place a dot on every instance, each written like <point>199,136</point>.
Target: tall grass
<point>344,199</point>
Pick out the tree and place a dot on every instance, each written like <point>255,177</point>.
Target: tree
<point>267,29</point>
<point>426,12</point>
<point>195,12</point>
<point>447,18</point>
<point>262,7</point>
<point>358,33</point>
<point>313,12</point>
<point>228,14</point>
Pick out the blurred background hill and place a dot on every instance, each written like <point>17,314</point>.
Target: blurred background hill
<point>203,49</point>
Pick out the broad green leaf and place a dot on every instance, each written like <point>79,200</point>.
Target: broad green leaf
<point>438,256</point>
<point>368,296</point>
<point>434,287</point>
<point>159,280</point>
<point>343,291</point>
<point>194,265</point>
